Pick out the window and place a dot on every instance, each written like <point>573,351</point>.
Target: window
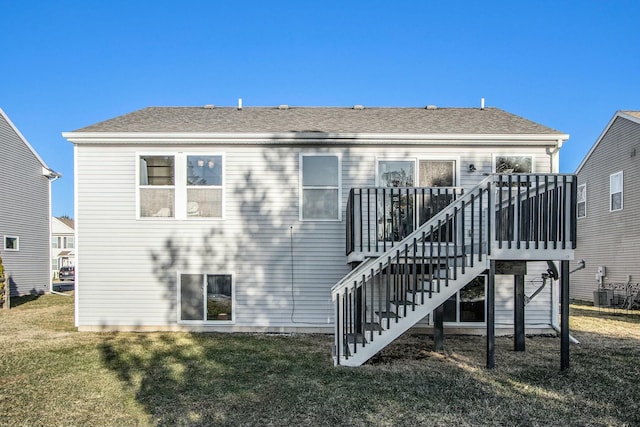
<point>615,192</point>
<point>582,200</point>
<point>396,173</point>
<point>204,186</point>
<point>69,242</point>
<point>56,242</point>
<point>513,164</point>
<point>320,187</point>
<point>11,243</point>
<point>436,173</point>
<point>468,304</point>
<point>181,186</point>
<point>157,186</point>
<point>206,298</point>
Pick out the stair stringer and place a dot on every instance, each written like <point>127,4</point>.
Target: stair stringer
<point>359,353</point>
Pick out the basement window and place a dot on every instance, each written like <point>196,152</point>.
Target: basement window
<point>11,243</point>
<point>206,298</point>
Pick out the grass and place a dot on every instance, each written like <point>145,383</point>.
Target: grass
<point>50,374</point>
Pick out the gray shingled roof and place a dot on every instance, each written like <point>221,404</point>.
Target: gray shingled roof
<point>322,119</point>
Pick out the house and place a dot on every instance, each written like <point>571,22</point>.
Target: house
<point>62,244</point>
<point>25,187</point>
<point>608,206</point>
<point>274,219</point>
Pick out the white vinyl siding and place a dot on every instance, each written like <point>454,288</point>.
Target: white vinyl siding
<point>616,186</point>
<point>283,267</point>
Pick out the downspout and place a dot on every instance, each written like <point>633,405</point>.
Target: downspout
<point>555,156</point>
<point>554,311</point>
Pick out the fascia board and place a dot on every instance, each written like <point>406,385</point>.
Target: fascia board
<point>293,137</point>
<point>47,171</point>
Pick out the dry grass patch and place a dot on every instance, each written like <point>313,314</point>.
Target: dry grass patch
<point>52,375</point>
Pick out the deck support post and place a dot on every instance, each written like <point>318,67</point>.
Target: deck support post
<point>564,315</point>
<point>438,328</point>
<point>491,321</point>
<point>518,313</point>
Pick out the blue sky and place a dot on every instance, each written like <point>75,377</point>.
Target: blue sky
<point>66,64</point>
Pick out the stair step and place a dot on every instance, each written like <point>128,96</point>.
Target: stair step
<point>355,338</point>
<point>387,315</point>
<point>375,326</point>
<point>402,302</point>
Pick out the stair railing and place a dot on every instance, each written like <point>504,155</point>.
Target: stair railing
<point>387,287</point>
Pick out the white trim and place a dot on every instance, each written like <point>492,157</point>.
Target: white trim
<point>232,138</point>
<point>76,228</point>
<point>494,155</point>
<point>457,179</point>
<point>179,186</point>
<point>301,187</point>
<point>4,244</point>
<point>179,320</point>
<point>621,191</point>
<point>458,322</point>
<point>578,201</point>
<point>379,159</point>
<point>47,171</point>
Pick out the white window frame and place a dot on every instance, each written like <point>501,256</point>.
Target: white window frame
<point>396,159</point>
<point>16,249</point>
<point>582,189</point>
<point>174,186</point>
<point>58,242</point>
<point>494,158</point>
<point>183,202</point>
<point>204,282</point>
<point>458,322</point>
<point>611,193</point>
<point>416,166</point>
<point>456,167</point>
<point>180,185</point>
<point>301,186</point>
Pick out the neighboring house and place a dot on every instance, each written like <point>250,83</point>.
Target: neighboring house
<point>237,219</point>
<point>608,208</point>
<point>25,185</point>
<point>62,244</point>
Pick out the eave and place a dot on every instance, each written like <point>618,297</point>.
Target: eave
<point>308,137</point>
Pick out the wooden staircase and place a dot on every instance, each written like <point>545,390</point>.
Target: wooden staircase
<point>528,216</point>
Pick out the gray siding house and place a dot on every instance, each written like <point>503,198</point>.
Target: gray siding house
<point>24,212</point>
<point>608,209</point>
<point>256,219</point>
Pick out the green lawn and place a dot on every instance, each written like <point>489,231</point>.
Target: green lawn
<point>52,375</point>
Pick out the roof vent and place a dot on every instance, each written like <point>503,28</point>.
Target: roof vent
<point>283,107</point>
<point>239,103</point>
<point>482,103</point>
<point>431,107</point>
<point>358,107</point>
<point>209,107</point>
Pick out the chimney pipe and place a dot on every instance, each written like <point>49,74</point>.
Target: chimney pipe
<point>482,103</point>
<point>239,103</point>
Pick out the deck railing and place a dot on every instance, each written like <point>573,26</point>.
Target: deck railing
<point>380,217</point>
<point>524,216</point>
